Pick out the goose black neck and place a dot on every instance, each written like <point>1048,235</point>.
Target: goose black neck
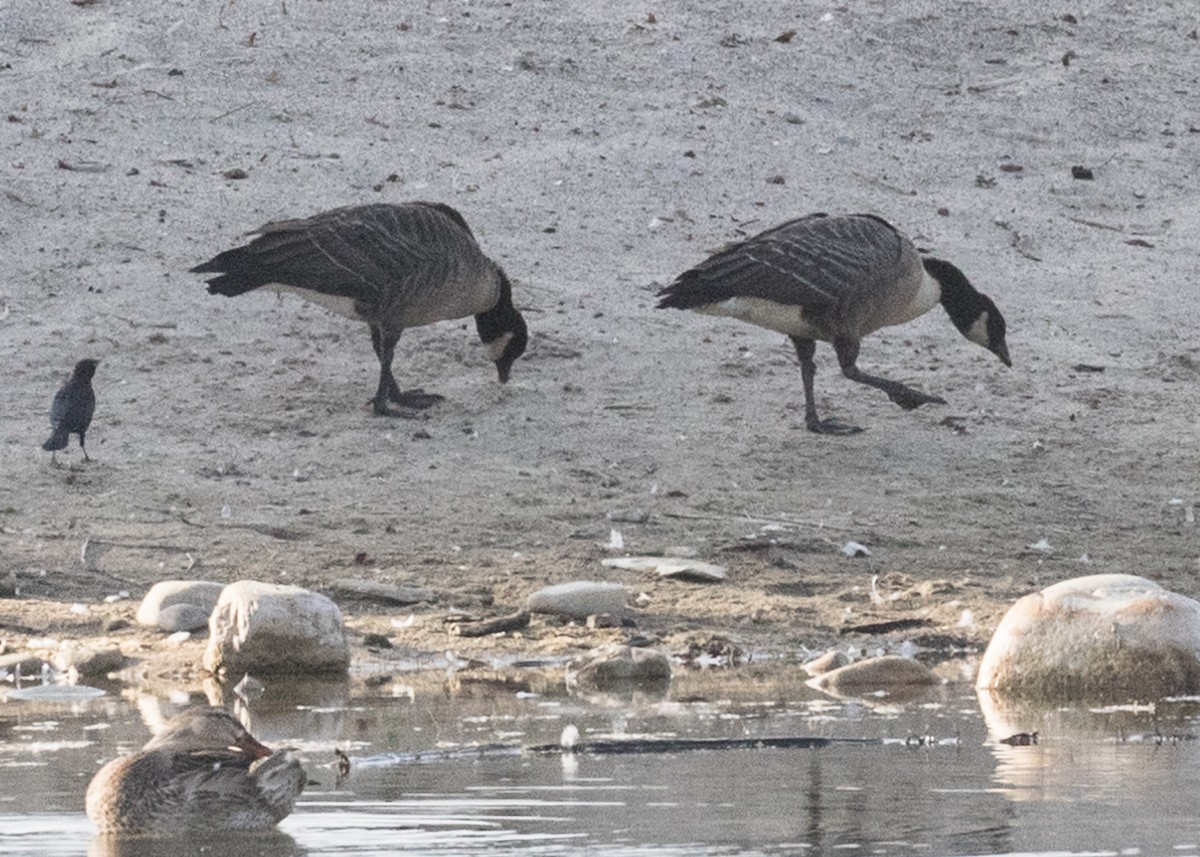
<point>962,302</point>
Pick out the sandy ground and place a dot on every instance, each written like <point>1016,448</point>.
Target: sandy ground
<point>598,149</point>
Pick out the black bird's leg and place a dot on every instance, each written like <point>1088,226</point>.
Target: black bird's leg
<point>903,395</point>
<point>805,348</point>
<point>86,457</point>
<point>388,390</point>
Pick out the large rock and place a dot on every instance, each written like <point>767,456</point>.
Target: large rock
<point>269,628</point>
<point>199,594</point>
<point>1104,636</point>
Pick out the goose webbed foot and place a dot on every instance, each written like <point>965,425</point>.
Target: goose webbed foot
<point>416,399</point>
<point>831,427</point>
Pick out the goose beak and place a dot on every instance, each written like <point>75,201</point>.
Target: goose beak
<point>252,748</point>
<point>1000,349</point>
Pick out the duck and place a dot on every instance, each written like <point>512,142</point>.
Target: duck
<point>202,772</point>
<point>836,279</point>
<point>390,265</point>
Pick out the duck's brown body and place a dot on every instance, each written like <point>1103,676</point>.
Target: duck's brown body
<point>204,771</point>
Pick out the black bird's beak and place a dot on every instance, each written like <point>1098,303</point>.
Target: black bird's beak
<point>1000,349</point>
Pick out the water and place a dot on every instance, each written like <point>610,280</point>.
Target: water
<point>437,768</point>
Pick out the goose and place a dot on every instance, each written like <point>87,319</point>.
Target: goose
<point>72,408</point>
<point>202,772</point>
<point>836,278</point>
<point>392,266</point>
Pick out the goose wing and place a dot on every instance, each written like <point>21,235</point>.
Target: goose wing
<point>816,262</point>
<point>363,252</point>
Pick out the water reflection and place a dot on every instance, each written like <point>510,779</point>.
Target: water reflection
<point>266,844</point>
<point>436,767</point>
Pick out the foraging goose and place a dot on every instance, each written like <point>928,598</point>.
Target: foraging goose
<point>202,772</point>
<point>392,266</point>
<point>72,408</point>
<point>836,278</point>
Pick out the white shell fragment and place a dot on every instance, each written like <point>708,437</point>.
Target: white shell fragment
<point>854,550</point>
<point>682,568</point>
<point>579,599</point>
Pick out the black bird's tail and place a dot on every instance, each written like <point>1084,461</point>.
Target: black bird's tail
<point>57,440</point>
<point>238,273</point>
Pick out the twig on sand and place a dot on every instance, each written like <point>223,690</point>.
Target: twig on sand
<point>218,118</point>
<point>778,519</point>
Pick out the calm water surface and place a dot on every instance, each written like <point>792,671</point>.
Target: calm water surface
<point>438,768</point>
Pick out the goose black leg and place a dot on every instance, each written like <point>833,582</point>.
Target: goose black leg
<point>903,395</point>
<point>805,348</point>
<point>388,390</point>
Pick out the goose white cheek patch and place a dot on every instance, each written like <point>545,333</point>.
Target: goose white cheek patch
<point>978,332</point>
<point>496,347</point>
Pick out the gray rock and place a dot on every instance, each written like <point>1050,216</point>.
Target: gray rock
<point>268,628</point>
<point>202,594</point>
<point>579,599</point>
<point>182,617</point>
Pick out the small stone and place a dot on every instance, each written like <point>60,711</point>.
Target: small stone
<point>166,593</point>
<point>603,620</point>
<point>854,550</point>
<point>579,599</point>
<point>376,641</point>
<point>182,617</point>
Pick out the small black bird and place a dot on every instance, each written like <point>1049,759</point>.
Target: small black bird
<point>391,266</point>
<point>71,410</point>
<point>836,279</point>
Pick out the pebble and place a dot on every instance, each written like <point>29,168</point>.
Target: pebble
<point>579,599</point>
<point>182,617</point>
